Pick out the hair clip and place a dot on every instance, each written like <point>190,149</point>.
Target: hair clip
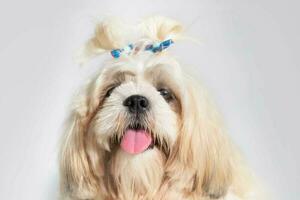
<point>116,53</point>
<point>159,46</point>
<point>154,48</point>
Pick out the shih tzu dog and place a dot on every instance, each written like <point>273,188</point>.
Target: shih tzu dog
<point>145,130</point>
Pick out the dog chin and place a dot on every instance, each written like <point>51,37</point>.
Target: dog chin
<point>137,172</point>
<point>140,172</point>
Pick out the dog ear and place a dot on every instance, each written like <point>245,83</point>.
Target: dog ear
<point>111,33</point>
<point>159,28</point>
<point>202,148</point>
<point>80,161</point>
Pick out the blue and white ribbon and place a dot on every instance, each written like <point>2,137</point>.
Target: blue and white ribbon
<point>154,48</point>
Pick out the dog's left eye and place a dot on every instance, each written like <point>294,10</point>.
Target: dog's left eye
<point>166,94</point>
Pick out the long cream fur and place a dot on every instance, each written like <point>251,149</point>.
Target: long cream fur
<point>201,162</point>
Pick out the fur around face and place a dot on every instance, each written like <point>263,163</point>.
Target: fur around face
<point>193,158</point>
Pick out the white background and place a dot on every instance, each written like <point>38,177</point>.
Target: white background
<point>248,58</point>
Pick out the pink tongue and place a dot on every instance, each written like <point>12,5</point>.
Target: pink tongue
<point>135,141</point>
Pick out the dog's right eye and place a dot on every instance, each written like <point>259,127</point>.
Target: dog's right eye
<point>109,91</point>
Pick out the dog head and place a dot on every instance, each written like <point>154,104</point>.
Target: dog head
<point>142,122</point>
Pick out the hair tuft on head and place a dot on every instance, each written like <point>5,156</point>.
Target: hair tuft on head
<point>109,34</point>
<point>159,28</point>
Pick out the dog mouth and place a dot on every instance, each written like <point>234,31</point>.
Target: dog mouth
<point>137,139</point>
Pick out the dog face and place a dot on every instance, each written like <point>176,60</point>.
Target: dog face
<point>141,129</point>
<point>144,102</point>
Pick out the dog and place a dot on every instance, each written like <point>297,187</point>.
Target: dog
<point>143,129</point>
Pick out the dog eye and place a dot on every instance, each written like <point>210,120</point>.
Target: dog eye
<point>109,91</point>
<point>166,94</point>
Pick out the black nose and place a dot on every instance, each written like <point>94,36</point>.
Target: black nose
<point>136,103</point>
